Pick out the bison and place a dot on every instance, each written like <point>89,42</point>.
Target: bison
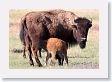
<point>57,48</point>
<point>60,24</point>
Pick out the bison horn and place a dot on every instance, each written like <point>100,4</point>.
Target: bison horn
<point>91,20</point>
<point>76,18</point>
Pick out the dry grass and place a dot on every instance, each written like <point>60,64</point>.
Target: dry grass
<point>87,58</point>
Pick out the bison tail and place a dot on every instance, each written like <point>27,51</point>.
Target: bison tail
<point>22,31</point>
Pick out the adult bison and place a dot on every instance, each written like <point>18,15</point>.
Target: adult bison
<point>65,25</point>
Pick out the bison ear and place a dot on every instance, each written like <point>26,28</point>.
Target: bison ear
<point>90,24</point>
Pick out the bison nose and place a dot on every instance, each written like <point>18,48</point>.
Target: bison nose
<point>83,39</point>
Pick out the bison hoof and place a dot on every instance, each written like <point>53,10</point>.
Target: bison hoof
<point>40,56</point>
<point>60,64</point>
<point>40,65</point>
<point>31,63</point>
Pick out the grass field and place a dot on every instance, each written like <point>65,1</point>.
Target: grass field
<point>87,58</point>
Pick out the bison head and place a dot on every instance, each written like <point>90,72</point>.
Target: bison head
<point>80,30</point>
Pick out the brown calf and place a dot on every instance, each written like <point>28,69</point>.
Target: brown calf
<point>56,48</point>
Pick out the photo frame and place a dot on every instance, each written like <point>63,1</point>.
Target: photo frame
<point>101,72</point>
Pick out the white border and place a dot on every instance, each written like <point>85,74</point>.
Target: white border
<point>101,5</point>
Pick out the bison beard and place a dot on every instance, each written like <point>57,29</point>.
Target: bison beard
<point>46,24</point>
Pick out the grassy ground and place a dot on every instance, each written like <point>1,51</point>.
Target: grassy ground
<point>87,58</point>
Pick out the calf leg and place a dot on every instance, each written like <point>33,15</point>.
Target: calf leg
<point>59,61</point>
<point>62,59</point>
<point>52,57</point>
<point>58,57</point>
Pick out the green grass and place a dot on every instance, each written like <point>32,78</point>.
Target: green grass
<point>87,58</point>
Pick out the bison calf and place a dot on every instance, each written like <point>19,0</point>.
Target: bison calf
<point>56,48</point>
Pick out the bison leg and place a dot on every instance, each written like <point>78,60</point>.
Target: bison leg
<point>34,50</point>
<point>24,55</point>
<point>40,53</point>
<point>28,47</point>
<point>47,57</point>
<point>30,56</point>
<point>24,47</point>
<point>37,59</point>
<point>31,60</point>
<point>66,58</point>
